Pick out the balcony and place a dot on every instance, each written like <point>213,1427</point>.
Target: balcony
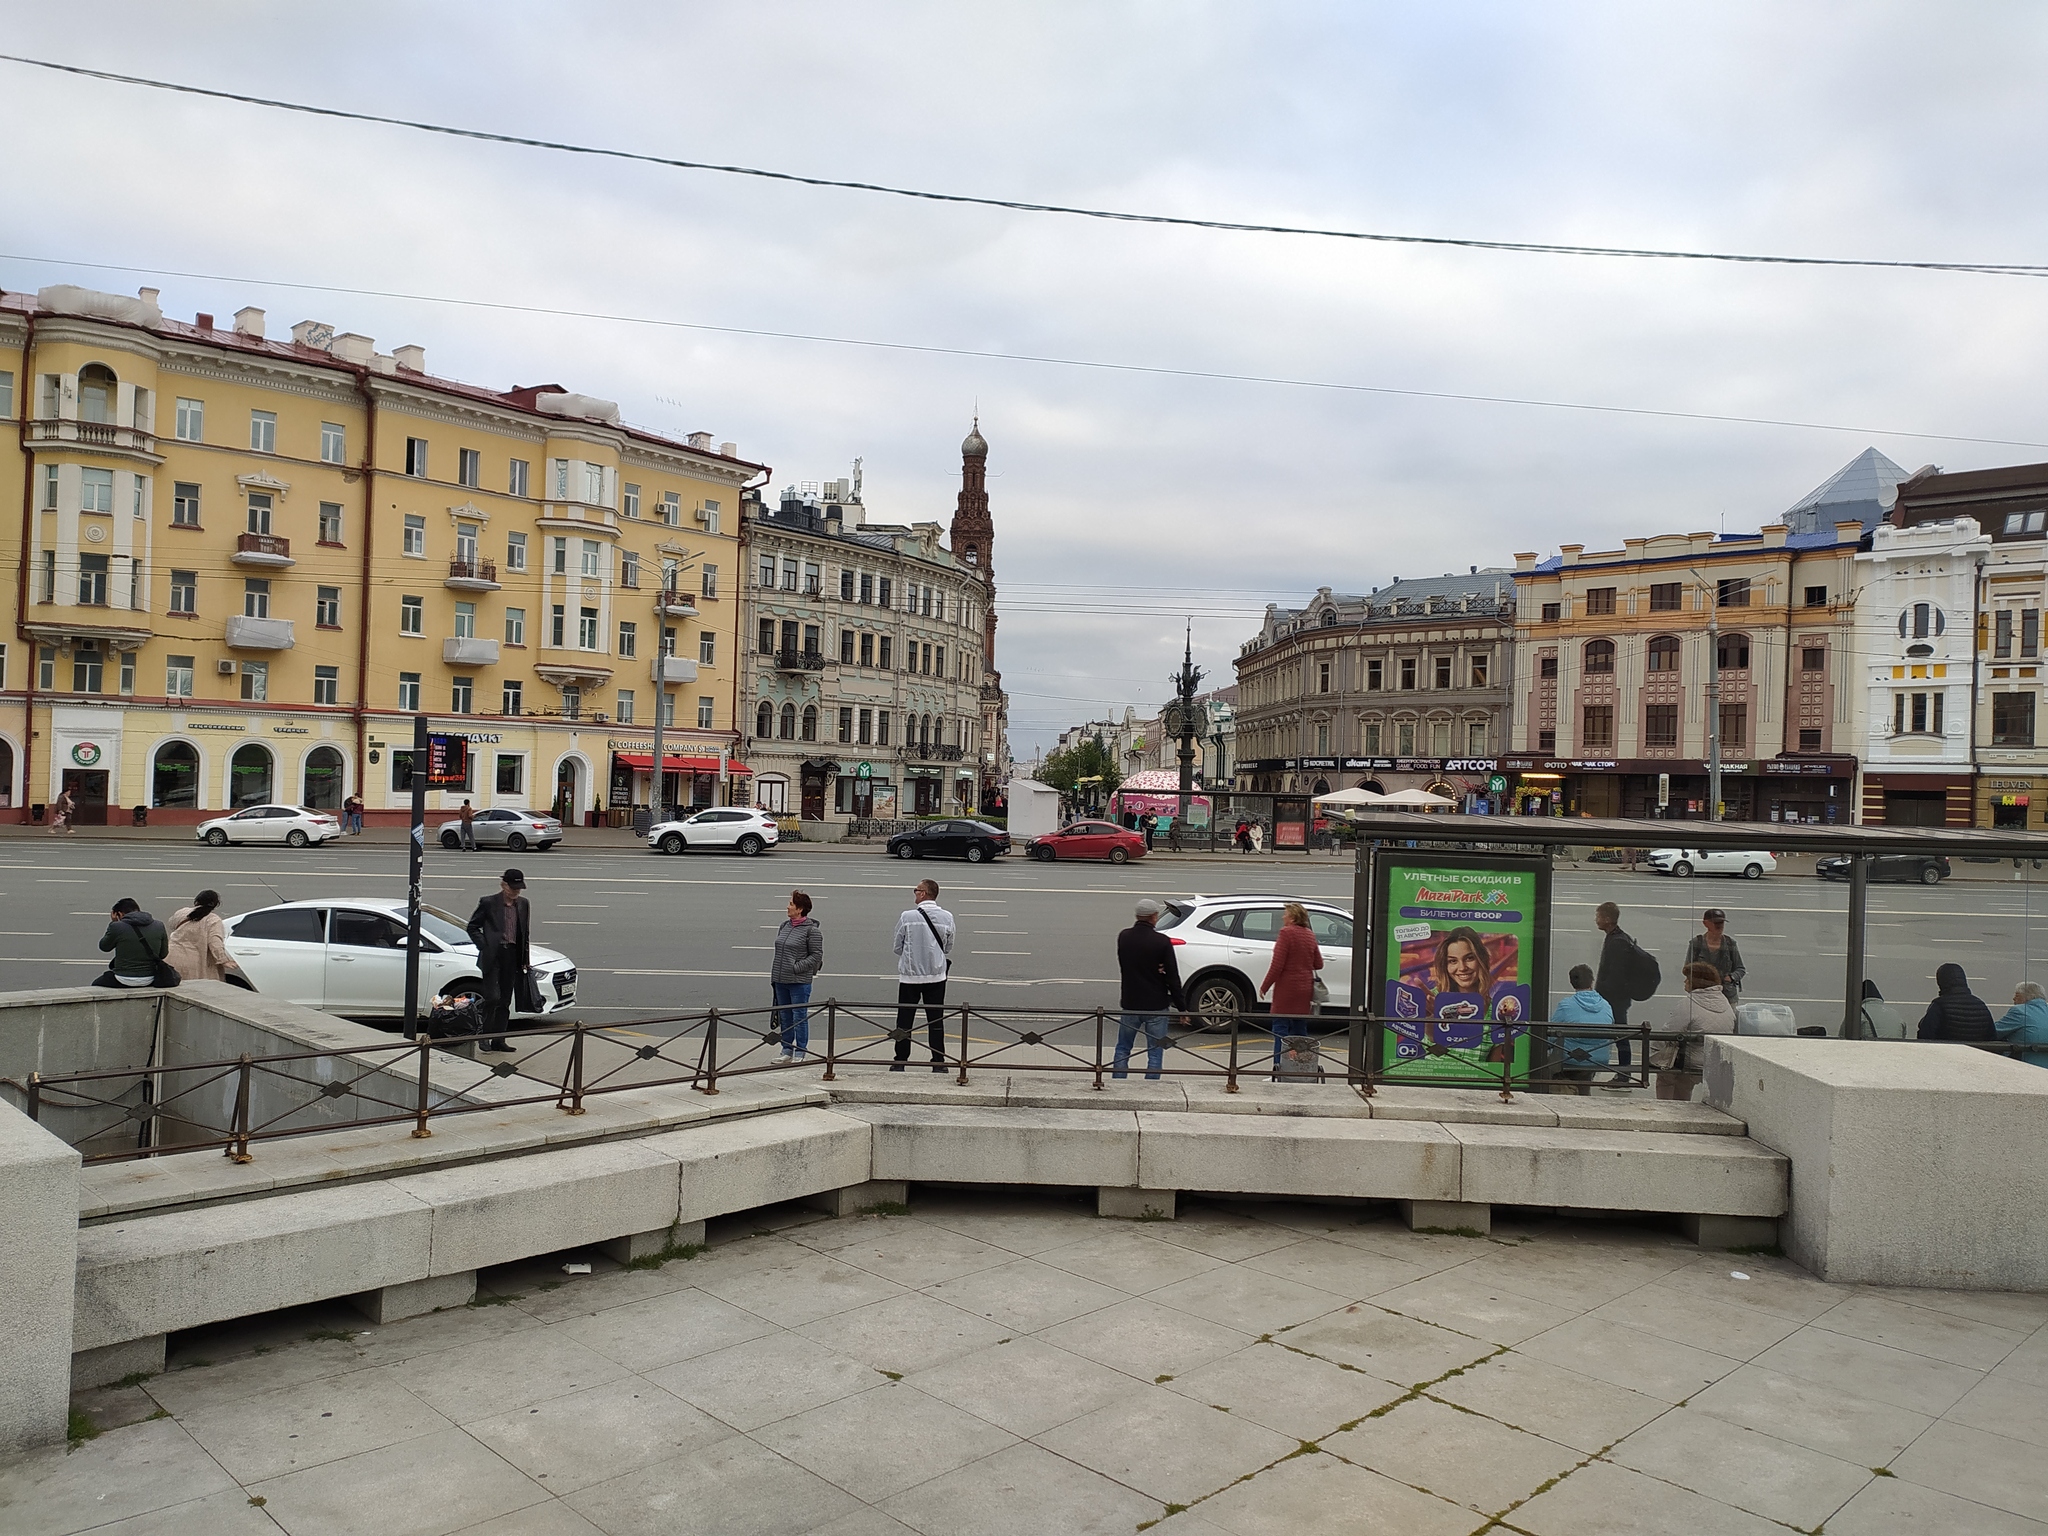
<point>676,605</point>
<point>468,651</point>
<point>262,549</point>
<point>102,435</point>
<point>472,576</point>
<point>674,669</point>
<point>799,661</point>
<point>247,634</point>
<point>931,752</point>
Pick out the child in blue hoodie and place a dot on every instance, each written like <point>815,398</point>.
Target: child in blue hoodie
<point>1581,1055</point>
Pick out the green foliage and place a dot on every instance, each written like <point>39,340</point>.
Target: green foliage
<point>1087,760</point>
<point>80,1428</point>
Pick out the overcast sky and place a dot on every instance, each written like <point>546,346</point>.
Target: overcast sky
<point>1123,502</point>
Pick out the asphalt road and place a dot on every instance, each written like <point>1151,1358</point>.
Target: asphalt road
<point>652,935</point>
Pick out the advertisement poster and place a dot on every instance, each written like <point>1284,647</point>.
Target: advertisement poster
<point>447,761</point>
<point>1460,962</point>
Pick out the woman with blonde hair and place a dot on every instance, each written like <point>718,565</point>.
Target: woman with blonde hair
<point>1291,978</point>
<point>1703,1010</point>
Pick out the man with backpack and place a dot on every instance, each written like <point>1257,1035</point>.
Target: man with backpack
<point>1628,974</point>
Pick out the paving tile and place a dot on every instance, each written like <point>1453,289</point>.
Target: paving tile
<point>276,1432</point>
<point>1322,1493</point>
<point>1246,1299</point>
<point>884,1441</point>
<point>1602,1499</point>
<point>1874,1371</point>
<point>732,1487</point>
<point>553,1518</point>
<point>1144,1339</point>
<point>2005,1403</point>
<point>801,1286</point>
<point>1126,1257</point>
<point>581,1295</point>
<point>1292,1394</point>
<point>1025,1385</point>
<point>1342,1269</point>
<point>664,1329</point>
<point>1922,1331</point>
<point>424,1487</point>
<point>903,1249</point>
<point>1222,1234</point>
<point>1463,1457</point>
<point>1024,1491</point>
<point>1026,1295</point>
<point>1474,1306</point>
<point>1769,1285</point>
<point>523,1369</point>
<point>1559,1404</point>
<point>1396,1349</point>
<point>1891,1506</point>
<point>469,1328</point>
<point>1165,1445</point>
<point>1976,1464</point>
<point>572,1442</point>
<point>221,1514</point>
<point>132,1471</point>
<point>201,1386</point>
<point>1856,1429</point>
<point>1020,1227</point>
<point>1629,1357</point>
<point>2022,1311</point>
<point>905,1333</point>
<point>1732,1465</point>
<point>864,1522</point>
<point>1718,1326</point>
<point>756,1383</point>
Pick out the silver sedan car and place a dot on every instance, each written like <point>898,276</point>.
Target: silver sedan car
<point>504,827</point>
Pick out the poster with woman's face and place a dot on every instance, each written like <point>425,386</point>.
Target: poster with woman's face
<point>1459,967</point>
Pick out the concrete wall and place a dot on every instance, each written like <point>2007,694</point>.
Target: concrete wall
<point>37,1264</point>
<point>1912,1164</point>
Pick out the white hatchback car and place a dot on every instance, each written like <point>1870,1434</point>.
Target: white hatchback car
<point>1712,861</point>
<point>290,824</point>
<point>1224,944</point>
<point>746,828</point>
<point>348,957</point>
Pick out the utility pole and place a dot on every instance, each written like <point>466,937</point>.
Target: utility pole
<point>1710,593</point>
<point>1181,722</point>
<point>416,854</point>
<point>660,780</point>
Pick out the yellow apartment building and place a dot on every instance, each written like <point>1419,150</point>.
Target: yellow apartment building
<point>246,562</point>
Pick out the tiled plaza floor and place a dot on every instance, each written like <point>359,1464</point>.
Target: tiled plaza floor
<point>989,1365</point>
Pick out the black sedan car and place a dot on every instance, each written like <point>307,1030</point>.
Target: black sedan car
<point>1908,868</point>
<point>974,841</point>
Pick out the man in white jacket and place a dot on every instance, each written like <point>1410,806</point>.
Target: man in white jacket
<point>924,948</point>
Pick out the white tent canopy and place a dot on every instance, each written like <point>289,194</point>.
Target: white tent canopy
<point>1350,799</point>
<point>1419,799</point>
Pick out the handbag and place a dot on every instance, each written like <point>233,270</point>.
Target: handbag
<point>1322,992</point>
<point>528,995</point>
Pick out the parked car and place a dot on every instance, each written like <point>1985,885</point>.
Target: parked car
<point>1088,840</point>
<point>503,827</point>
<point>747,828</point>
<point>348,957</point>
<point>973,841</point>
<point>1712,861</point>
<point>1926,868</point>
<point>1223,945</point>
<point>293,825</point>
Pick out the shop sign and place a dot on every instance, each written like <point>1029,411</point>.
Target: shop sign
<point>85,754</point>
<point>447,761</point>
<point>2026,784</point>
<point>290,730</point>
<point>1497,785</point>
<point>2019,800</point>
<point>207,725</point>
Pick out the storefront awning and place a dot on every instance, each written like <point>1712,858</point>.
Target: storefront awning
<point>644,761</point>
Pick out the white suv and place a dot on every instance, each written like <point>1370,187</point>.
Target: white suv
<point>1711,861</point>
<point>746,828</point>
<point>1224,944</point>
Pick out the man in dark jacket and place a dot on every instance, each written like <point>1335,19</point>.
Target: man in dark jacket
<point>1956,1013</point>
<point>1617,971</point>
<point>1151,981</point>
<point>139,943</point>
<point>502,930</point>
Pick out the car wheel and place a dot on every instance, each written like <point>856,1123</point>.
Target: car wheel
<point>1043,855</point>
<point>1929,875</point>
<point>450,840</point>
<point>1752,871</point>
<point>975,854</point>
<point>1216,999</point>
<point>904,851</point>
<point>672,842</point>
<point>516,842</point>
<point>750,845</point>
<point>217,838</point>
<point>1681,869</point>
<point>1118,856</point>
<point>295,838</point>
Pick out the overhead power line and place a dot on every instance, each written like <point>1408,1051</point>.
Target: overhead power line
<point>1120,216</point>
<point>1153,370</point>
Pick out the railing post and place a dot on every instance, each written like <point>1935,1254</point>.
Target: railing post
<point>1643,1056</point>
<point>1230,1083</point>
<point>831,1037</point>
<point>965,1013</point>
<point>35,1096</point>
<point>711,1052</point>
<point>238,1138</point>
<point>1098,1049</point>
<point>422,1101</point>
<point>576,1069</point>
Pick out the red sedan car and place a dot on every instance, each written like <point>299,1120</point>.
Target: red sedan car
<point>1088,840</point>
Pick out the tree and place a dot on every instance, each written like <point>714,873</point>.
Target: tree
<point>1071,772</point>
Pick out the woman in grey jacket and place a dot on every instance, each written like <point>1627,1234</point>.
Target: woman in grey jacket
<point>799,956</point>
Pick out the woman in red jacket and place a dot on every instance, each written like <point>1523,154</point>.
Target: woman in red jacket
<point>1291,978</point>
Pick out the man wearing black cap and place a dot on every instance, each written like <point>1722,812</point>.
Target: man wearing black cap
<point>502,930</point>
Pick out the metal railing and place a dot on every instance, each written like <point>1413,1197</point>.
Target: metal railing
<point>263,544</point>
<point>472,570</point>
<point>233,1104</point>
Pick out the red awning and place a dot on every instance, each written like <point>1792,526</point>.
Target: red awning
<point>645,762</point>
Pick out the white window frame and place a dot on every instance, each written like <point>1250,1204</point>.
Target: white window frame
<point>263,431</point>
<point>333,443</point>
<point>191,421</point>
<point>415,546</point>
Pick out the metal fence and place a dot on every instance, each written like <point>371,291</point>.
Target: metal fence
<point>123,1114</point>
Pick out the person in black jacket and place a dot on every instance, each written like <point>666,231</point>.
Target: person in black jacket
<point>1617,971</point>
<point>502,930</point>
<point>1151,982</point>
<point>139,943</point>
<point>1956,1013</point>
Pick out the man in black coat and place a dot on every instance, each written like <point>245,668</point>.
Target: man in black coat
<point>502,930</point>
<point>1956,1013</point>
<point>1617,971</point>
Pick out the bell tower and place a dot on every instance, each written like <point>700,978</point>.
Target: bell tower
<point>973,535</point>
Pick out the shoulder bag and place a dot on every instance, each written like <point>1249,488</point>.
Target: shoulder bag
<point>936,939</point>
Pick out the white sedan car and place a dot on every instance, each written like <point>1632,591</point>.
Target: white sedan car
<point>348,957</point>
<point>1224,945</point>
<point>291,824</point>
<point>746,828</point>
<point>1712,861</point>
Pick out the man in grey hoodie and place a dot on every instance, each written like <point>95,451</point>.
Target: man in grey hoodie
<point>924,949</point>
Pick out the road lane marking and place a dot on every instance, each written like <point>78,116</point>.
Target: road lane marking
<point>1024,952</point>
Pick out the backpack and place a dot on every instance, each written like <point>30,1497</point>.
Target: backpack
<point>1644,974</point>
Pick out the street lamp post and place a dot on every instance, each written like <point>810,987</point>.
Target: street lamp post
<point>1710,593</point>
<point>1182,724</point>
